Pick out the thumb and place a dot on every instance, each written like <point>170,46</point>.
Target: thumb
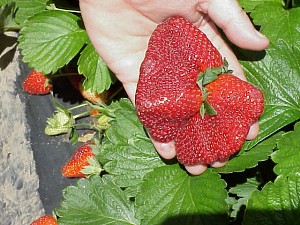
<point>230,17</point>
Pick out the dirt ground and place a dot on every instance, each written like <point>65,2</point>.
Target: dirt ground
<point>31,182</point>
<point>19,197</point>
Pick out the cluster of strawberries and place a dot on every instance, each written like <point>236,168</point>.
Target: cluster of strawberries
<point>186,94</point>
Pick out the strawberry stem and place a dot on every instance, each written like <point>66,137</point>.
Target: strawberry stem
<point>81,115</point>
<point>53,7</point>
<point>206,77</point>
<point>86,125</point>
<point>78,106</point>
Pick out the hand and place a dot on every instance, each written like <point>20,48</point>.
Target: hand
<point>120,31</point>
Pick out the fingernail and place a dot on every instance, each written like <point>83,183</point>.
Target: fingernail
<point>260,34</point>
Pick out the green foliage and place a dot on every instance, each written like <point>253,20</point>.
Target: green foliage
<point>288,155</point>
<point>128,153</point>
<point>51,50</point>
<point>5,2</point>
<point>96,201</point>
<point>7,21</point>
<point>241,193</point>
<point>98,76</point>
<point>276,204</point>
<point>170,196</point>
<point>27,8</point>
<point>279,79</point>
<point>138,187</point>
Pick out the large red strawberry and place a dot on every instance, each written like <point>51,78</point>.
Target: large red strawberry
<point>214,138</point>
<point>36,83</point>
<point>45,220</point>
<point>167,93</point>
<point>182,96</point>
<point>83,158</point>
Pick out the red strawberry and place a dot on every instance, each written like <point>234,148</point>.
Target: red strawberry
<point>214,138</point>
<point>79,160</point>
<point>45,220</point>
<point>36,83</point>
<point>167,94</point>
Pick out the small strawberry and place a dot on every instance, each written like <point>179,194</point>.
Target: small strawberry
<point>62,122</point>
<point>215,138</point>
<point>45,220</point>
<point>82,163</point>
<point>94,97</point>
<point>36,83</point>
<point>167,93</point>
<point>91,96</point>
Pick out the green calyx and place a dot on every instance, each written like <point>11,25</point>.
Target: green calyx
<point>206,77</point>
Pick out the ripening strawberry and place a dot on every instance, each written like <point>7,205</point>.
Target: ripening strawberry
<point>167,94</point>
<point>45,220</point>
<point>79,161</point>
<point>93,97</point>
<point>215,138</point>
<point>36,83</point>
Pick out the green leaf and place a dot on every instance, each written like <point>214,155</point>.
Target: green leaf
<point>27,8</point>
<point>96,201</point>
<point>278,23</point>
<point>50,39</point>
<point>251,158</point>
<point>287,156</point>
<point>249,5</point>
<point>210,75</point>
<point>5,2</point>
<point>6,17</point>
<point>276,204</point>
<point>128,153</point>
<point>278,76</point>
<point>242,192</point>
<point>170,196</point>
<point>98,76</point>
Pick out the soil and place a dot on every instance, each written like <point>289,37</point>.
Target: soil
<point>30,182</point>
<point>19,197</point>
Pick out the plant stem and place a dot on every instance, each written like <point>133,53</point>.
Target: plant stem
<point>81,115</point>
<point>116,93</point>
<point>12,28</point>
<point>78,106</point>
<point>53,7</point>
<point>88,125</point>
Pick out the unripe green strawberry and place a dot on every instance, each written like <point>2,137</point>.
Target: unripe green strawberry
<point>61,123</point>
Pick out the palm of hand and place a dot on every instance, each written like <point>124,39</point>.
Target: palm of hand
<point>120,32</point>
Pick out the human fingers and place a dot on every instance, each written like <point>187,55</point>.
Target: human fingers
<point>201,168</point>
<point>196,169</point>
<point>211,31</point>
<point>253,131</point>
<point>218,164</point>
<point>230,17</point>
<point>165,150</point>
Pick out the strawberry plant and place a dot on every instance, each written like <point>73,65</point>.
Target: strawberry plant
<point>258,185</point>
